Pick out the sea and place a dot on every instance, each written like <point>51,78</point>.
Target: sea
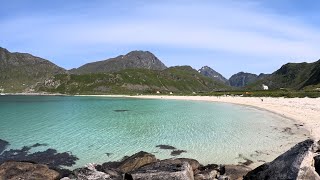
<point>102,129</point>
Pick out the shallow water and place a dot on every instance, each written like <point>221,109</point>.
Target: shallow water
<point>100,129</point>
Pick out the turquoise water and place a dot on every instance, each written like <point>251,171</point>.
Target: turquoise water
<point>91,127</point>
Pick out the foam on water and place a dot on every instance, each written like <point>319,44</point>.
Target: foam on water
<point>99,129</point>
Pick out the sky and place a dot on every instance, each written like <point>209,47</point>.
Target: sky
<point>228,35</point>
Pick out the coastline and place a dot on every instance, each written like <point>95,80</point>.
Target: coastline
<point>301,112</point>
<point>304,111</point>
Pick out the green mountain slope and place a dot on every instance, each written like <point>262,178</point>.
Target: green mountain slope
<point>20,71</point>
<point>292,76</point>
<point>132,60</point>
<point>180,79</point>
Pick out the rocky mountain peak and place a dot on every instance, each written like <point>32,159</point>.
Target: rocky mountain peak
<point>209,72</point>
<point>132,60</point>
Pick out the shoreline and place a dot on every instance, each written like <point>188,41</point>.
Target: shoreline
<point>304,111</point>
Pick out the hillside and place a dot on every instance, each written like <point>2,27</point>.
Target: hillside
<point>293,76</point>
<point>19,71</point>
<point>209,72</point>
<point>242,79</point>
<point>180,79</point>
<point>132,60</point>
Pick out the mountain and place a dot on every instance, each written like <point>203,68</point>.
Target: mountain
<point>179,79</point>
<point>132,60</point>
<point>209,72</point>
<point>19,71</point>
<point>293,76</point>
<point>242,79</point>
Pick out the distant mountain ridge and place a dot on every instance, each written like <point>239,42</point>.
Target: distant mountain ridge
<point>176,79</point>
<point>19,71</point>
<point>293,76</point>
<point>209,72</point>
<point>132,60</point>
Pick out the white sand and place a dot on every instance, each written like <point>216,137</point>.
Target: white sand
<point>305,111</point>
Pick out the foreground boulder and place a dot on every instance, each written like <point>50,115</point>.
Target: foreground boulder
<point>193,163</point>
<point>90,173</point>
<point>296,163</point>
<point>25,171</point>
<point>166,169</point>
<point>135,161</point>
<point>211,171</point>
<point>236,172</point>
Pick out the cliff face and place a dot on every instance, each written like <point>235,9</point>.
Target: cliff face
<point>242,79</point>
<point>132,60</point>
<point>19,71</point>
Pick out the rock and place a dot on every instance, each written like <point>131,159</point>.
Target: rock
<point>3,145</point>
<point>62,172</point>
<point>165,147</point>
<point>236,172</point>
<point>23,170</point>
<point>111,168</point>
<point>193,163</point>
<point>50,157</point>
<point>167,169</point>
<point>296,163</point>
<point>90,173</point>
<point>223,178</point>
<point>317,163</point>
<point>135,161</point>
<point>206,174</point>
<point>177,152</point>
<point>210,171</point>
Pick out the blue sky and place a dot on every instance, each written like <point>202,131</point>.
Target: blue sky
<point>229,36</point>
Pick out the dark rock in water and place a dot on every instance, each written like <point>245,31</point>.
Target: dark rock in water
<point>167,169</point>
<point>177,152</point>
<point>236,172</point>
<point>23,170</point>
<point>49,157</point>
<point>247,161</point>
<point>120,110</point>
<point>293,164</point>
<point>3,145</point>
<point>288,130</point>
<point>38,145</point>
<point>135,161</point>
<point>109,154</point>
<point>165,147</point>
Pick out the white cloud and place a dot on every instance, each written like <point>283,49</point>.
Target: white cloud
<point>223,26</point>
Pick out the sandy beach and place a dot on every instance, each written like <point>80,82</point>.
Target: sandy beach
<point>305,111</point>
